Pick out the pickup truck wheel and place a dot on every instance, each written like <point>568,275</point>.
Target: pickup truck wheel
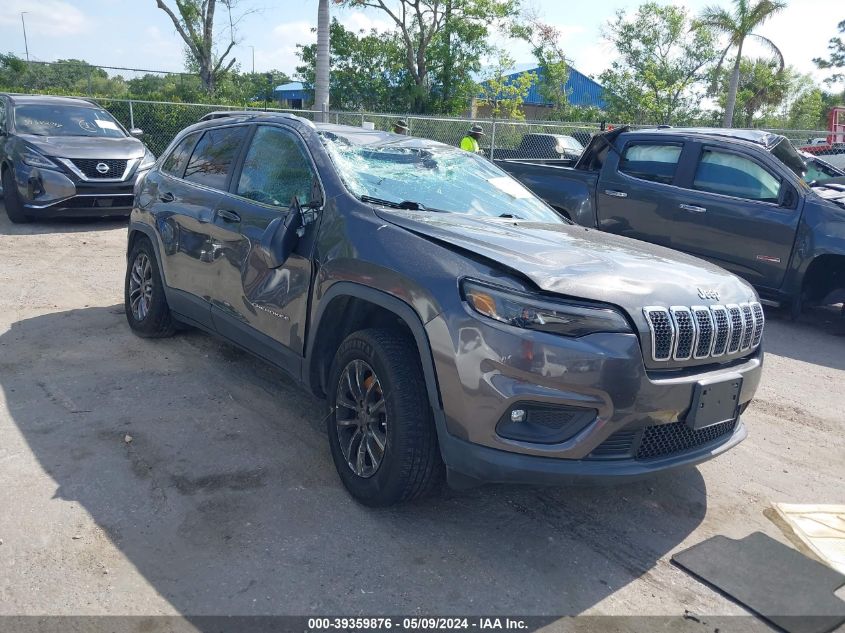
<point>12,199</point>
<point>143,297</point>
<point>381,429</point>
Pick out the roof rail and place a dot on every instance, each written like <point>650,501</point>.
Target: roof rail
<point>220,114</point>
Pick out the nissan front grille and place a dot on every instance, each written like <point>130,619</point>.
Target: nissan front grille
<point>698,332</point>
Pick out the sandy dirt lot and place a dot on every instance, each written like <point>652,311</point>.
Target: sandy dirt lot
<point>226,501</point>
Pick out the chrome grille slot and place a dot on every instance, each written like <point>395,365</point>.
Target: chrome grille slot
<point>735,316</point>
<point>704,324</point>
<point>748,326</point>
<point>662,332</point>
<point>759,321</point>
<point>681,333</point>
<point>722,324</point>
<point>685,332</point>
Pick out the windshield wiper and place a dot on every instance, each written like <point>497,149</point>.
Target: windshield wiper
<point>511,216</point>
<point>403,204</point>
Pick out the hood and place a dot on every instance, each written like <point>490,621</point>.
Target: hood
<point>583,263</point>
<point>86,146</point>
<point>832,191</point>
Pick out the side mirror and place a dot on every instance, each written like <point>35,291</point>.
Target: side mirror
<point>281,236</point>
<point>787,198</point>
<point>136,132</point>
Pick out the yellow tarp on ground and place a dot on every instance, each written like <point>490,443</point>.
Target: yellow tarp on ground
<point>820,527</point>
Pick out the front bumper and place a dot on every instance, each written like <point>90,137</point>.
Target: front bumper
<point>485,369</point>
<point>50,193</point>
<point>470,464</point>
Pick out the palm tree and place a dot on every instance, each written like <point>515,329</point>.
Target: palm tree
<point>738,25</point>
<point>321,85</point>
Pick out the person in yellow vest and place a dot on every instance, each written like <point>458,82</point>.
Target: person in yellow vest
<point>470,141</point>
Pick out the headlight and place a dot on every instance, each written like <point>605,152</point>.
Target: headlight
<point>32,158</point>
<point>538,313</point>
<point>147,161</point>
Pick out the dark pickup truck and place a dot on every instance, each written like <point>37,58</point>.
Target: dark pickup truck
<point>743,199</point>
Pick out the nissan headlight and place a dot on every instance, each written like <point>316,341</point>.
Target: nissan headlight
<point>32,158</point>
<point>147,161</point>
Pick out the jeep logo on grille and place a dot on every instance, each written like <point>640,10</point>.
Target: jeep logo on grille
<point>706,293</point>
<point>102,168</point>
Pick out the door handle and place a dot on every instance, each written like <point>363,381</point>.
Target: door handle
<point>616,194</point>
<point>693,208</point>
<point>166,197</point>
<point>228,216</point>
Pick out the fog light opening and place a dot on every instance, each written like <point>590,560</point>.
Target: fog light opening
<point>543,423</point>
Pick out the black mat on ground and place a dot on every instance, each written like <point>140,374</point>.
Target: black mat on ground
<point>775,581</point>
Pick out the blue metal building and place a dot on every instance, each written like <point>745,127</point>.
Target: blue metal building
<point>292,94</point>
<point>582,90</point>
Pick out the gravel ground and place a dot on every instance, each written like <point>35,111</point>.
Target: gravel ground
<point>225,501</point>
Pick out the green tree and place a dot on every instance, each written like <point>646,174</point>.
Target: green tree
<point>762,88</point>
<point>661,67</point>
<point>503,93</point>
<point>194,22</point>
<point>837,57</point>
<point>807,111</point>
<point>738,26</point>
<point>442,42</point>
<point>553,70</point>
<point>367,70</point>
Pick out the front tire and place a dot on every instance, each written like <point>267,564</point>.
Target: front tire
<point>144,300</point>
<point>381,428</point>
<point>12,199</point>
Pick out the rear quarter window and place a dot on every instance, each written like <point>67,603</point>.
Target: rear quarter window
<point>175,163</point>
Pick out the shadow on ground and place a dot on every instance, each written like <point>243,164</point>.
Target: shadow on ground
<point>226,500</point>
<point>817,337</point>
<point>57,225</point>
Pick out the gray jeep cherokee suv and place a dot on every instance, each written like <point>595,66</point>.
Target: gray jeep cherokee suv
<point>61,157</point>
<point>453,321</point>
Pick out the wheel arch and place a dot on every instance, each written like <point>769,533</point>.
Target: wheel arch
<point>355,306</point>
<point>824,276</point>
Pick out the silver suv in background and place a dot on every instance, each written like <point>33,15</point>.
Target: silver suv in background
<point>62,157</point>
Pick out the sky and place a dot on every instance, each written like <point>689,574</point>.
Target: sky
<point>136,34</point>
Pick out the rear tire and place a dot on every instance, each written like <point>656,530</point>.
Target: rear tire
<point>144,300</point>
<point>12,199</point>
<point>387,406</point>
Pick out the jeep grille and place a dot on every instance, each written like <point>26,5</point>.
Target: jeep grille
<point>681,332</point>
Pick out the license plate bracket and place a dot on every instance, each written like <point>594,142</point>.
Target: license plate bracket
<point>715,400</point>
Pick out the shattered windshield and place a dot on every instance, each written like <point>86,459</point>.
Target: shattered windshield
<point>434,178</point>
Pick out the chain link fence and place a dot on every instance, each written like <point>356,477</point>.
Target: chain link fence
<point>161,121</point>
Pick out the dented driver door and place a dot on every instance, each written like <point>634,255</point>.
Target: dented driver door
<point>258,304</point>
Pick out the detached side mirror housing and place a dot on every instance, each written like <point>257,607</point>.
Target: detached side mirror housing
<point>136,132</point>
<point>281,236</point>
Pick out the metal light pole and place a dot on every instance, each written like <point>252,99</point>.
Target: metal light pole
<point>253,59</point>
<point>25,44</point>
